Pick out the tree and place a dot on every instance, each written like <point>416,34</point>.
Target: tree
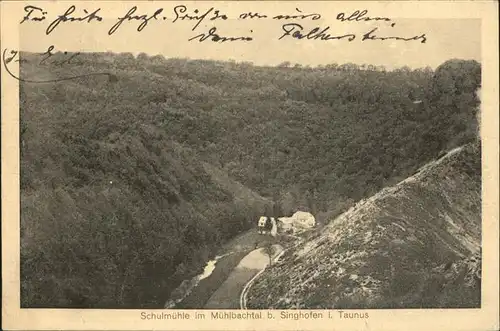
<point>455,77</point>
<point>142,56</point>
<point>269,224</point>
<point>332,66</point>
<point>269,251</point>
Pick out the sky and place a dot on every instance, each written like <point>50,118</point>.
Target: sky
<point>446,38</point>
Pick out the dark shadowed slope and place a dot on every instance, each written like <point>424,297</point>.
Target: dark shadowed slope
<point>416,244</point>
<point>114,212</point>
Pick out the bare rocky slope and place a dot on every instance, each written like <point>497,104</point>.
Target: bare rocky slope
<point>416,244</point>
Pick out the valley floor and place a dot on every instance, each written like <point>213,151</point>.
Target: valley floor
<point>229,294</point>
<point>208,293</point>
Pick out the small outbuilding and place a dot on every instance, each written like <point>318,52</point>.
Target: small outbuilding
<point>297,222</point>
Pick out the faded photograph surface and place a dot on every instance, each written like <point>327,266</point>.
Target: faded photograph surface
<point>163,179</point>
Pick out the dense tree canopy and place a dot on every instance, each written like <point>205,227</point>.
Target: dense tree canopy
<point>133,184</point>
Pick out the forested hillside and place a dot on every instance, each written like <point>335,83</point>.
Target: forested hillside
<point>129,184</point>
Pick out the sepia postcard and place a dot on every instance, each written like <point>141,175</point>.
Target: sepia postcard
<point>253,165</point>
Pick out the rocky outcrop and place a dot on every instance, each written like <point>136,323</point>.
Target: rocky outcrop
<point>416,244</point>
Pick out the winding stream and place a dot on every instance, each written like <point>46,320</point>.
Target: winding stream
<point>188,285</point>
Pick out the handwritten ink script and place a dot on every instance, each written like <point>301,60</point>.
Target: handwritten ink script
<point>291,22</point>
<point>203,24</point>
<point>48,58</point>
